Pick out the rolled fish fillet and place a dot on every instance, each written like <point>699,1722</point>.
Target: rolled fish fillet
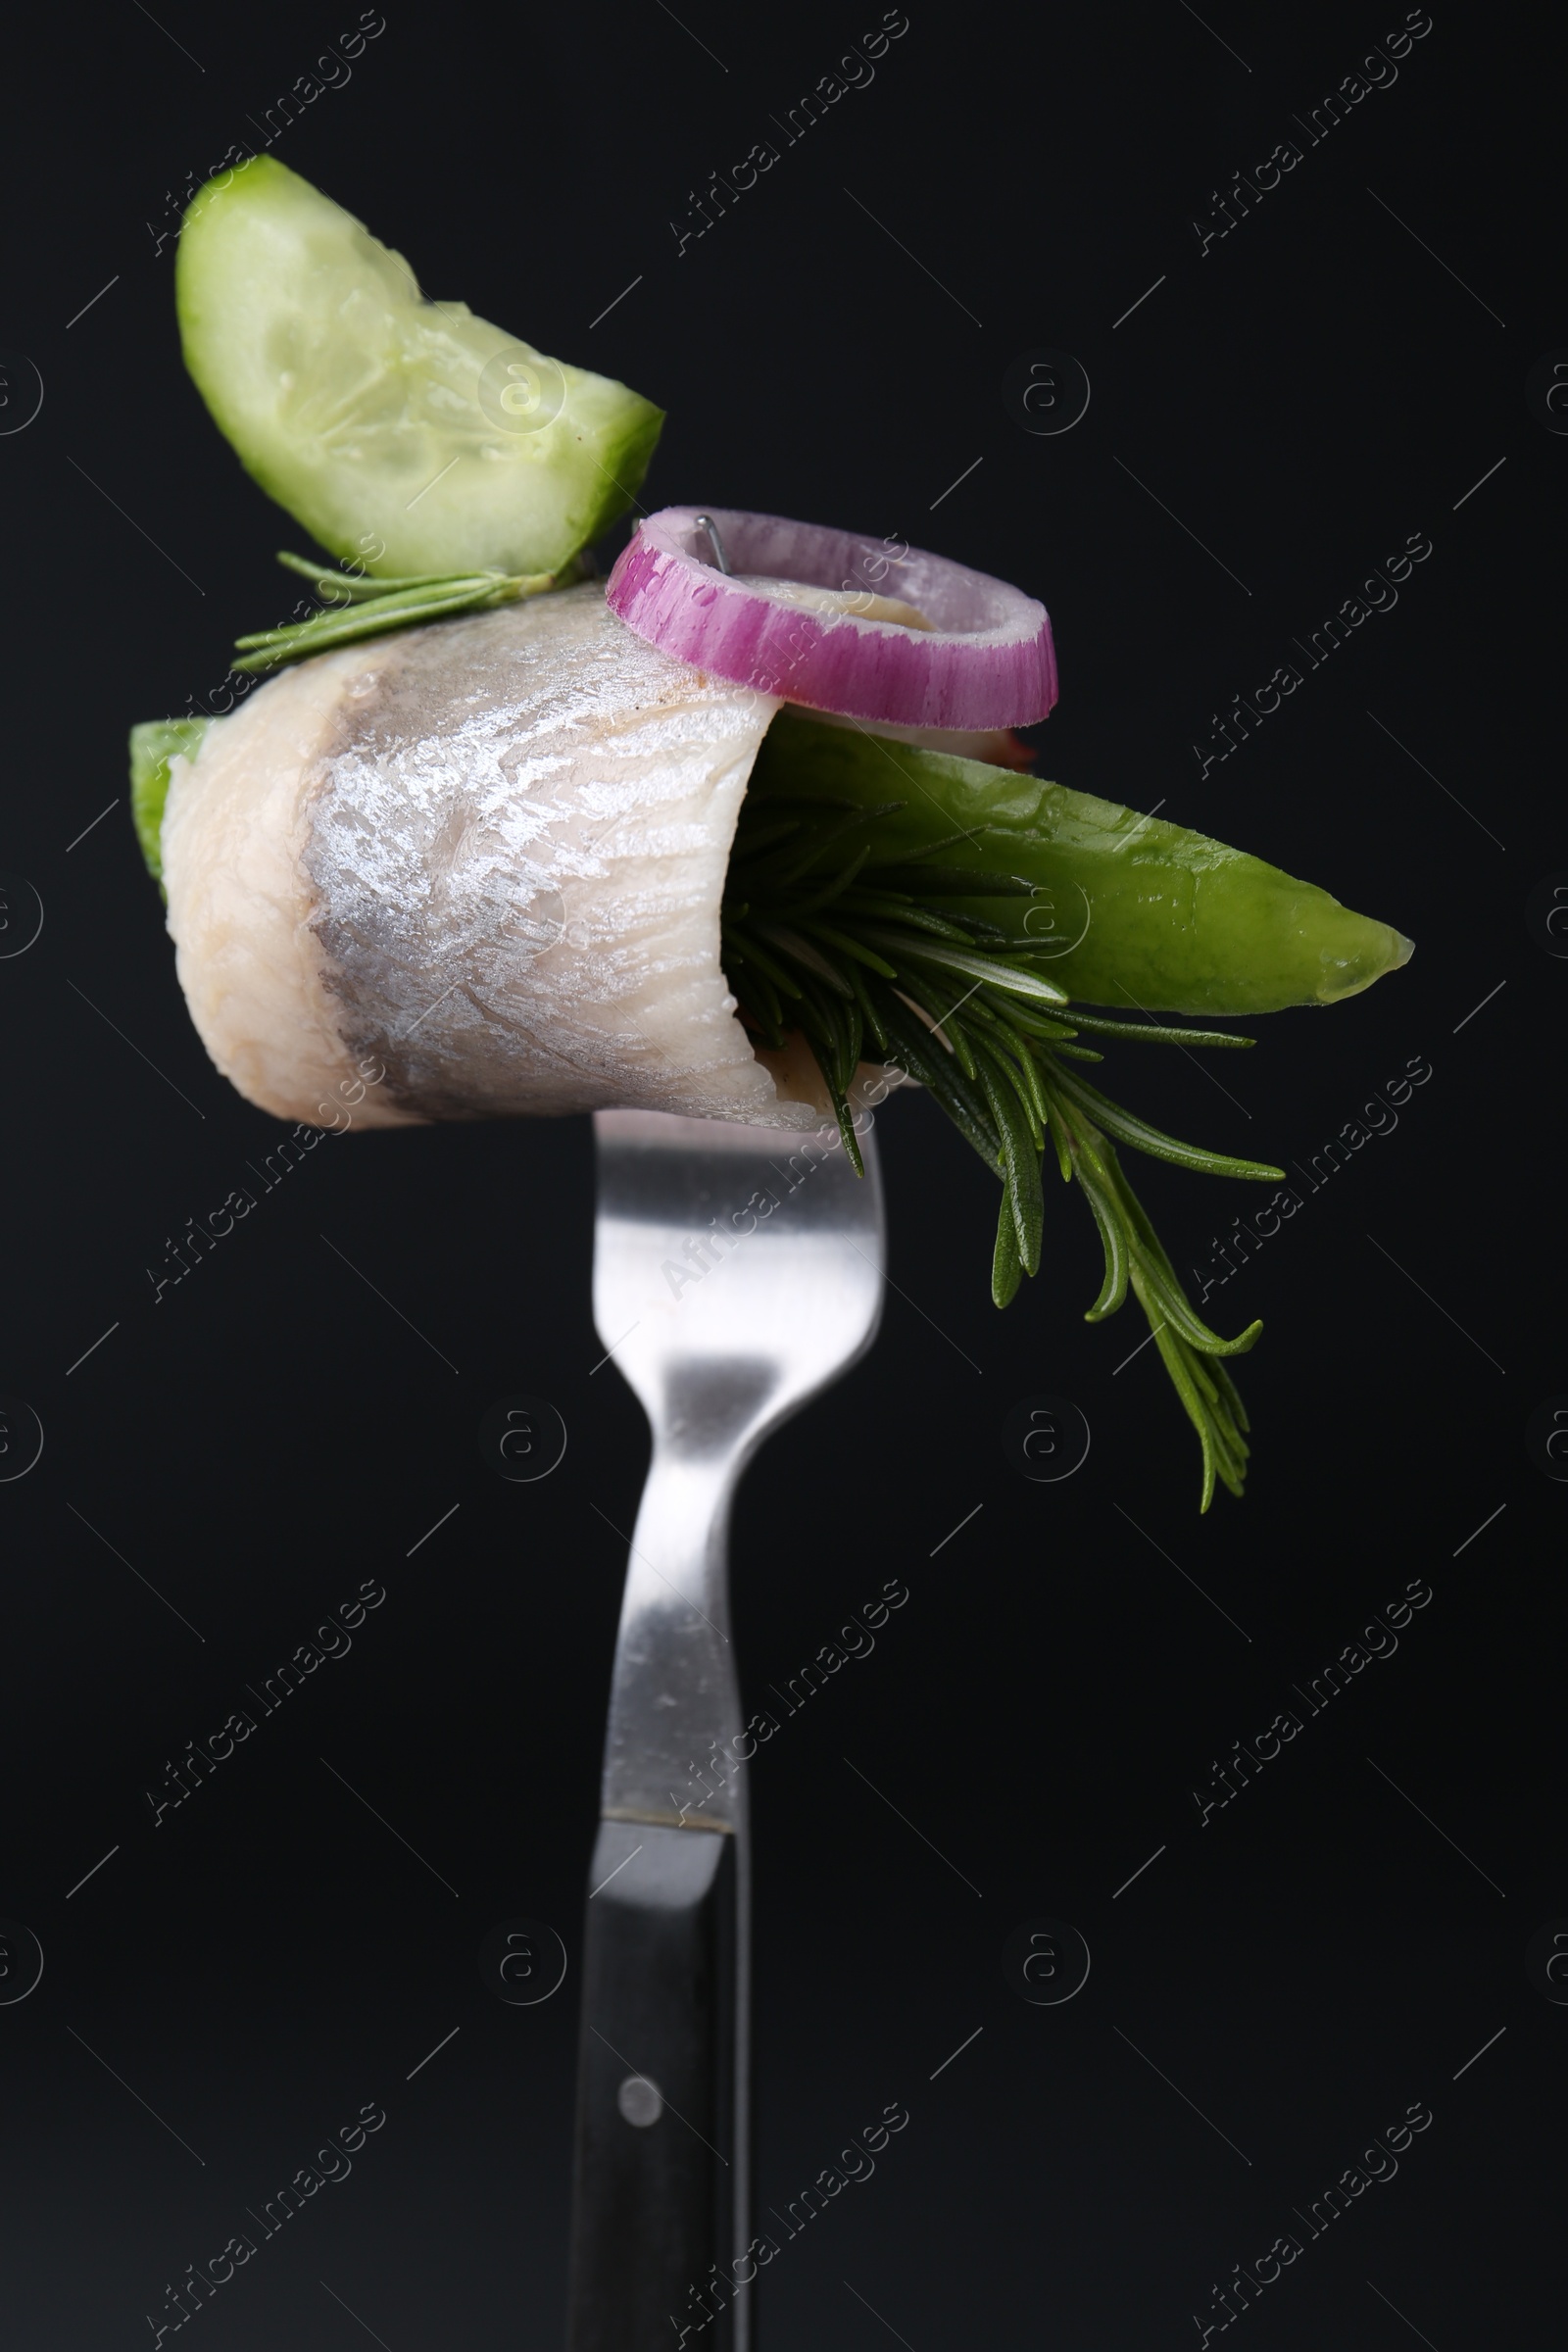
<point>489,857</point>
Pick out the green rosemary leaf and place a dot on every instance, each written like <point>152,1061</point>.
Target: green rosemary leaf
<point>1233,1399</point>
<point>1021,1157</point>
<point>417,593</point>
<point>757,1014</point>
<point>1133,1209</point>
<point>1229,1463</point>
<point>1007,977</point>
<point>1059,1129</point>
<point>985,1041</point>
<point>852,1142</point>
<point>1151,1264</point>
<point>936,1070</point>
<point>816,1014</point>
<point>1154,1033</point>
<point>339,625</point>
<point>853,949</point>
<point>950,841</point>
<point>1091,1156</point>
<point>334,586</point>
<point>855,1043</point>
<point>765,1005</point>
<point>1181,1319</point>
<point>848,1029</point>
<point>833,1036</point>
<point>1153,1269</point>
<point>868,1007</point>
<point>765,963</point>
<point>1113,1241</point>
<point>1019,1153</point>
<point>1020,1052</point>
<point>805,953</point>
<point>918,987</point>
<point>1197,1368</point>
<point>787,867</point>
<point>917,919</point>
<point>1041,1025</point>
<point>1231,1471</point>
<point>1236,1445</point>
<point>952,882</point>
<point>1006,1267</point>
<point>832,890</point>
<point>391,607</point>
<point>1201,1421</point>
<point>1127,1129</point>
<point>985,932</point>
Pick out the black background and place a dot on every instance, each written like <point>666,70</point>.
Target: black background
<point>1303,396</point>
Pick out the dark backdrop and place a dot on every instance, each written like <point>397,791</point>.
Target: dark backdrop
<point>1291,1972</point>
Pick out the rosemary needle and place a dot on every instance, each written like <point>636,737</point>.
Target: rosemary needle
<point>355,606</point>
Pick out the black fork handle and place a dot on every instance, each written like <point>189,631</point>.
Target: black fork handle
<point>657,2213</point>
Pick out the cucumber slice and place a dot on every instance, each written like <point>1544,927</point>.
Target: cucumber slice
<point>406,434</point>
<point>152,747</point>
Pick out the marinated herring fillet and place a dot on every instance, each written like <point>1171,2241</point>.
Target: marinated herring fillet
<point>489,855</point>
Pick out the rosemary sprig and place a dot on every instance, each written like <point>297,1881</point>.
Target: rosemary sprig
<point>356,605</point>
<point>821,936</point>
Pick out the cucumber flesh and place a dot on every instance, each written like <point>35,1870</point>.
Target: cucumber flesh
<point>404,434</point>
<point>153,745</point>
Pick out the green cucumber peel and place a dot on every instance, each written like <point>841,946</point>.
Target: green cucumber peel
<point>1140,914</point>
<point>153,745</point>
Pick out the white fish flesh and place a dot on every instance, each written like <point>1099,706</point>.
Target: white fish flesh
<point>487,855</point>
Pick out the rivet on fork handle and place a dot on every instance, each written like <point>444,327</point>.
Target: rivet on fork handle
<point>657,2093</point>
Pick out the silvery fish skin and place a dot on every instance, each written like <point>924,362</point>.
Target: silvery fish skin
<point>487,857</point>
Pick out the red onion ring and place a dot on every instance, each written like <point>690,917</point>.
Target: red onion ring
<point>987,661</point>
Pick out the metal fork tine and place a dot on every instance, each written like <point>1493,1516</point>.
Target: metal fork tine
<point>737,1271</point>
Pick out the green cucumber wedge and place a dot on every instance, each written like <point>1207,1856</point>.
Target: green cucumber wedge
<point>1132,913</point>
<point>404,434</point>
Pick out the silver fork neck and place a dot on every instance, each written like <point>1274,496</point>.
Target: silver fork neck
<point>674,1752</point>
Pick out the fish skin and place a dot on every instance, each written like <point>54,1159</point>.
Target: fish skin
<point>506,846</point>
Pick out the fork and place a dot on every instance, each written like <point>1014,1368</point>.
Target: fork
<point>737,1271</point>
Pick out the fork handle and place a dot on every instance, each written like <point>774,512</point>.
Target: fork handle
<point>655,2206</point>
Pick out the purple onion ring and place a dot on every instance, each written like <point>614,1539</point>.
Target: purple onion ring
<point>987,659</point>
